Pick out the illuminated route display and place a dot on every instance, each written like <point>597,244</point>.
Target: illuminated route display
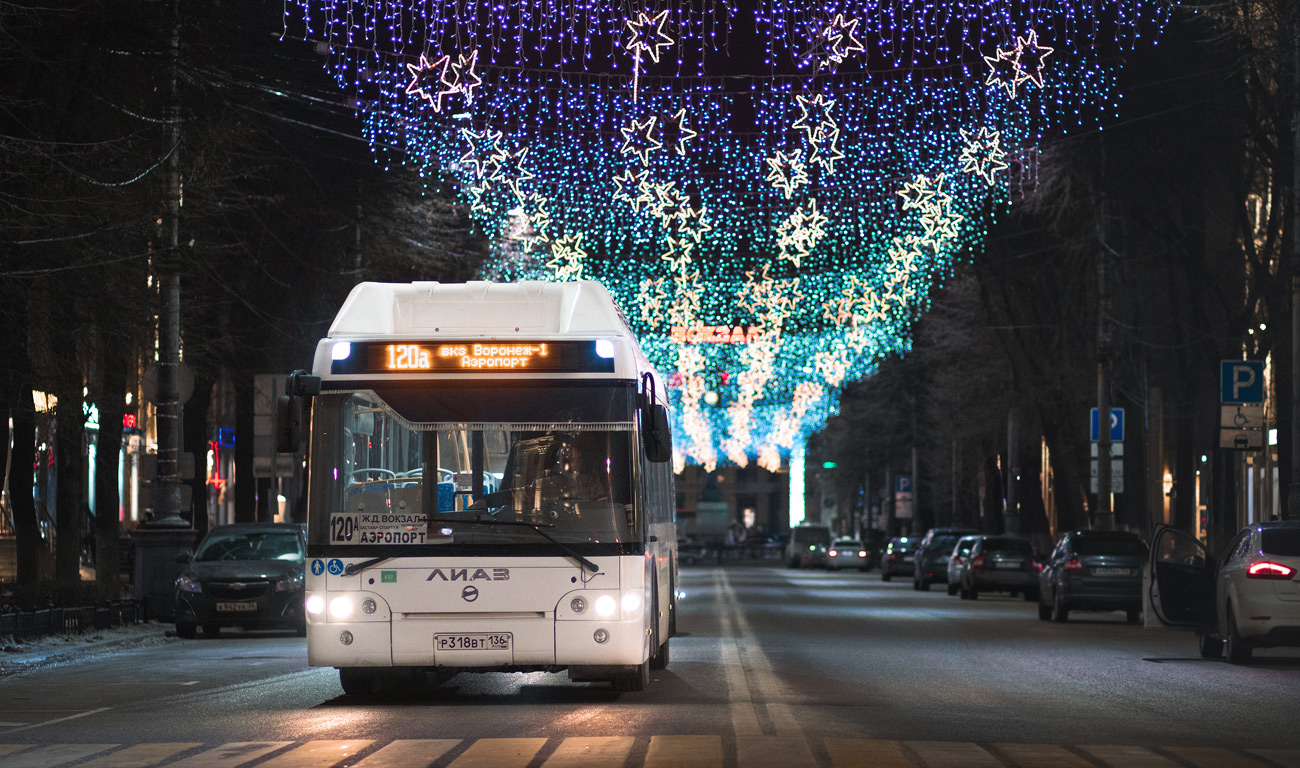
<point>473,357</point>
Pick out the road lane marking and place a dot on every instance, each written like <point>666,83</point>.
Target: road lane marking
<point>141,755</point>
<point>499,753</point>
<point>953,754</point>
<point>53,755</point>
<point>1211,757</point>
<point>1128,757</point>
<point>404,753</point>
<point>744,661</point>
<point>684,752</point>
<point>591,752</point>
<point>58,720</point>
<point>867,753</point>
<point>231,755</point>
<point>318,754</point>
<point>774,752</point>
<point>1286,757</point>
<point>1042,756</point>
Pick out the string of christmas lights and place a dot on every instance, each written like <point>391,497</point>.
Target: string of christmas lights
<point>770,191</point>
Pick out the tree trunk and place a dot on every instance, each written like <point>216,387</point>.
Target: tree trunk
<point>69,448</point>
<point>108,493</point>
<point>245,482</point>
<point>196,444</point>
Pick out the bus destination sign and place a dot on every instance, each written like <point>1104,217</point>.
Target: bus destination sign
<point>475,357</point>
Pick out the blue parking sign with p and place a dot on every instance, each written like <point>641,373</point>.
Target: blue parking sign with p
<point>1242,381</point>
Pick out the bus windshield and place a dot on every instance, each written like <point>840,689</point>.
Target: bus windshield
<point>430,469</point>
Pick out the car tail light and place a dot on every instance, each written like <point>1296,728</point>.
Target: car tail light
<point>1269,570</point>
<point>1038,566</point>
<point>978,563</point>
<point>834,553</point>
<point>1073,565</point>
<point>862,553</point>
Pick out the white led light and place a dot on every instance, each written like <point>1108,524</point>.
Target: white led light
<point>342,350</point>
<point>368,606</point>
<point>605,606</point>
<point>631,603</point>
<point>604,348</point>
<point>578,605</point>
<point>345,637</point>
<point>341,607</point>
<point>315,604</point>
<point>600,636</point>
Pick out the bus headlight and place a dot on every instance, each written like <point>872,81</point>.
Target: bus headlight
<point>631,604</point>
<point>340,607</point>
<point>605,606</point>
<point>578,605</point>
<point>315,604</point>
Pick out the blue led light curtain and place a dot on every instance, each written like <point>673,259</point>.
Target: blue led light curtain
<point>769,189</point>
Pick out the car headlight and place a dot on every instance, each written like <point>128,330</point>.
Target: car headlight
<point>291,584</point>
<point>186,584</point>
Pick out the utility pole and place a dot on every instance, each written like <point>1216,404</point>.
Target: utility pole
<point>1292,511</point>
<point>167,501</point>
<point>1105,517</point>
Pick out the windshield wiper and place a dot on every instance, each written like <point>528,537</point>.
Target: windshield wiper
<point>352,569</point>
<point>565,548</point>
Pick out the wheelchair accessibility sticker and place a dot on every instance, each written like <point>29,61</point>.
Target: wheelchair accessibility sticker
<point>317,567</point>
<point>336,567</point>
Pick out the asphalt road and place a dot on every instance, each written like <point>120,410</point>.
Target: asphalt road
<point>774,667</point>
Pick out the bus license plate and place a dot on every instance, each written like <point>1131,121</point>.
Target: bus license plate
<point>473,641</point>
<point>246,606</point>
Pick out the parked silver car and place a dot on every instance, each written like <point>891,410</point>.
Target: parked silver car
<point>1249,599</point>
<point>957,560</point>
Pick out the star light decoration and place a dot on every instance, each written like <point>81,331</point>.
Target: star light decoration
<point>799,273</point>
<point>643,41</point>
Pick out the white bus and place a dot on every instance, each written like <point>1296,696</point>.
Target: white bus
<point>490,487</point>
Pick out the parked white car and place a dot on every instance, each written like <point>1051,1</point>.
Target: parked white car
<point>1249,598</point>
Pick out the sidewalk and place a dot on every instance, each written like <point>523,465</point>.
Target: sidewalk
<point>18,656</point>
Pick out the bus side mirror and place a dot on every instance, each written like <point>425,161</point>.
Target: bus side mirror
<point>291,411</point>
<point>656,436</point>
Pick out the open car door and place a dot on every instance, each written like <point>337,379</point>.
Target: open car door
<point>1182,580</point>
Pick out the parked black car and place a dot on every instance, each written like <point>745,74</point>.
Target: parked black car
<point>931,563</point>
<point>1000,564</point>
<point>1093,571</point>
<point>244,575</point>
<point>899,556</point>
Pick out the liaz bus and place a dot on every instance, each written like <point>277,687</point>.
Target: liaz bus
<point>489,487</point>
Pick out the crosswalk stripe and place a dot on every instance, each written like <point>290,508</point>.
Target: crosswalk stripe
<point>1042,756</point>
<point>591,752</point>
<point>231,755</point>
<point>1211,757</point>
<point>1128,757</point>
<point>408,753</point>
<point>499,753</point>
<point>1286,757</point>
<point>684,752</point>
<point>957,754</point>
<point>867,753</point>
<point>318,754</point>
<point>141,755</point>
<point>773,752</point>
<point>52,755</point>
